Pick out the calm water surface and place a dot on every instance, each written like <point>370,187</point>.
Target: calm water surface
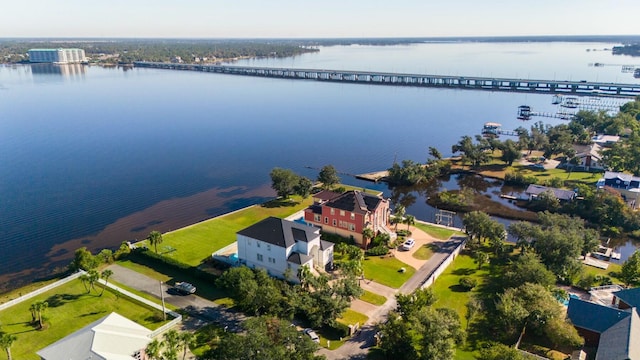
<point>94,156</point>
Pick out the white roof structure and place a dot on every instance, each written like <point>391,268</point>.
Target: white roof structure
<point>113,337</point>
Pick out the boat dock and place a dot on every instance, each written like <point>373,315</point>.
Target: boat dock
<point>495,129</point>
<point>526,113</point>
<point>373,176</point>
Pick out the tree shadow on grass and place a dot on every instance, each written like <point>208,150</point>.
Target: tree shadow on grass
<point>155,318</point>
<point>61,299</point>
<point>280,203</point>
<point>463,271</point>
<point>93,313</point>
<point>459,288</point>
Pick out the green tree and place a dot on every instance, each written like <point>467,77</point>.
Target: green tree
<point>398,214</point>
<point>304,187</point>
<point>630,271</point>
<point>106,274</point>
<point>40,308</point>
<point>284,182</point>
<point>186,342</point>
<point>328,176</point>
<point>6,341</point>
<point>155,238</point>
<point>171,343</point>
<point>435,153</point>
<point>472,153</point>
<point>398,338</point>
<point>527,268</point>
<point>511,152</point>
<point>367,234</point>
<point>474,306</point>
<point>440,333</point>
<point>409,220</point>
<point>154,349</point>
<point>480,257</point>
<point>84,260</point>
<point>499,351</point>
<point>409,304</point>
<point>92,278</point>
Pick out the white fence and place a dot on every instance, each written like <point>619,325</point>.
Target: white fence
<point>177,317</point>
<point>41,290</point>
<point>443,266</point>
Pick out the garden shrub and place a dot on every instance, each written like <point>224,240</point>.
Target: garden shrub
<point>468,283</point>
<point>378,250</point>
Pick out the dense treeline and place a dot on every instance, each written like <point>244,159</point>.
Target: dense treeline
<point>157,50</point>
<point>630,49</point>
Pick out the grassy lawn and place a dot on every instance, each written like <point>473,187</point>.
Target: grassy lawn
<point>384,270</point>
<point>436,231</point>
<point>611,271</point>
<point>195,243</point>
<point>351,317</point>
<point>425,252</point>
<point>373,298</point>
<point>70,309</point>
<point>144,270</point>
<point>368,191</point>
<point>16,293</point>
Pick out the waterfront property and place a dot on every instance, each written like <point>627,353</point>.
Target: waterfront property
<point>112,337</point>
<point>57,56</point>
<point>533,191</point>
<point>348,214</point>
<point>589,157</point>
<point>282,247</point>
<point>627,185</point>
<point>609,325</point>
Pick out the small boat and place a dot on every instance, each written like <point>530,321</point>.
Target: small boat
<point>570,103</point>
<point>491,129</point>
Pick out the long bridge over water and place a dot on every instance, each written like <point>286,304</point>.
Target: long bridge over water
<point>585,88</point>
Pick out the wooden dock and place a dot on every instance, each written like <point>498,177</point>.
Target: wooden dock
<point>588,260</point>
<point>374,176</point>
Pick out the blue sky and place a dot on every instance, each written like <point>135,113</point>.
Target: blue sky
<point>327,18</point>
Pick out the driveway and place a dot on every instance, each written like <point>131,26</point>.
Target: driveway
<point>195,305</point>
<point>421,238</point>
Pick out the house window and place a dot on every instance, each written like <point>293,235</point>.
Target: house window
<point>335,222</point>
<point>259,256</point>
<point>272,260</point>
<point>317,217</point>
<point>249,242</point>
<point>333,212</point>
<point>326,219</point>
<point>341,212</point>
<point>352,227</point>
<point>258,243</point>
<point>353,216</point>
<point>268,247</point>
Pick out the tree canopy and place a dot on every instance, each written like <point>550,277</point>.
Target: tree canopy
<point>328,176</point>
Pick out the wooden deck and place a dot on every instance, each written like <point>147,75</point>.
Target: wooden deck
<point>374,176</point>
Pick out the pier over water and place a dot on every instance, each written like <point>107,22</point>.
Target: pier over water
<point>578,88</point>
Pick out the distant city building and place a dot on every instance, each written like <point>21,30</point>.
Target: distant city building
<point>57,56</point>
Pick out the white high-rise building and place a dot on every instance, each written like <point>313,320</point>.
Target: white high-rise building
<point>57,56</point>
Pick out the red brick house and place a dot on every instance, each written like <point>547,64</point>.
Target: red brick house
<point>348,214</point>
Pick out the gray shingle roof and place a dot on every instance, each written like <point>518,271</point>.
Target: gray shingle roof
<point>622,340</point>
<point>280,232</point>
<point>355,201</point>
<point>298,258</point>
<point>558,193</point>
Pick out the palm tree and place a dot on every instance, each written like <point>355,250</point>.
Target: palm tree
<point>6,340</point>
<point>410,220</point>
<point>155,238</point>
<point>186,340</point>
<point>171,342</point>
<point>92,278</point>
<point>153,350</point>
<point>105,275</point>
<point>40,307</point>
<point>85,279</point>
<point>34,312</point>
<point>399,214</point>
<point>367,234</point>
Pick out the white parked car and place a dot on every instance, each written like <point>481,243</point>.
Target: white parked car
<point>312,334</point>
<point>408,244</point>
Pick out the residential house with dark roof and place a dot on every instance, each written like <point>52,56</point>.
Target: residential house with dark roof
<point>282,247</point>
<point>348,214</point>
<point>589,157</point>
<point>533,191</point>
<point>614,331</point>
<point>627,185</point>
<point>627,298</point>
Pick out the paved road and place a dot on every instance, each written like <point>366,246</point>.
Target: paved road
<point>358,346</point>
<point>198,307</point>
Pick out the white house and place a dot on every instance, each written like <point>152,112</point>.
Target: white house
<point>589,157</point>
<point>276,245</point>
<point>112,337</point>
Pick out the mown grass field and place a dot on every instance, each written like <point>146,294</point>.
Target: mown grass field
<point>373,298</point>
<point>70,309</point>
<point>425,252</point>
<point>436,231</point>
<point>195,243</point>
<point>385,271</point>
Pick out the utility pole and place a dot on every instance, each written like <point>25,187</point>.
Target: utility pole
<point>164,310</point>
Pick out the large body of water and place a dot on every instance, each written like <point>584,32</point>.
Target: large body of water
<point>94,156</point>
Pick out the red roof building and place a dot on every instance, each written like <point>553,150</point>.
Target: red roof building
<point>348,214</point>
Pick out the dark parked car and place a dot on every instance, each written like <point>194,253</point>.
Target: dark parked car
<point>184,288</point>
